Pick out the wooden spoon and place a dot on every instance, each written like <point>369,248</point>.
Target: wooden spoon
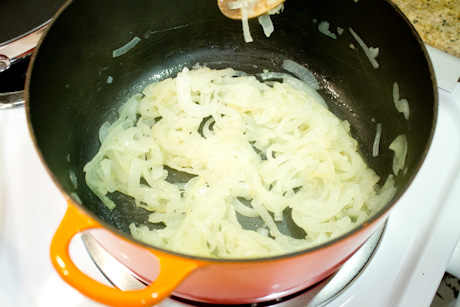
<point>261,8</point>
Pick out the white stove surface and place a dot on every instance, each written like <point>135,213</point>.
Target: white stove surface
<point>421,234</point>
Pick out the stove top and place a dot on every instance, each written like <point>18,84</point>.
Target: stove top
<point>409,262</point>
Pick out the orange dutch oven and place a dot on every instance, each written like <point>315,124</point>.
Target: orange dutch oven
<point>68,97</point>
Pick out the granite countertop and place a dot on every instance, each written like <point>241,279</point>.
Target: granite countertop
<point>436,21</point>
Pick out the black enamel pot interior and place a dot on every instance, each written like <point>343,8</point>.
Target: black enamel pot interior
<point>68,96</point>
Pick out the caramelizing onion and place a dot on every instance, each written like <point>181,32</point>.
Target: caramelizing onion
<point>236,147</point>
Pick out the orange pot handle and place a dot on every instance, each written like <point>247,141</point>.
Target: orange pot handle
<point>173,269</point>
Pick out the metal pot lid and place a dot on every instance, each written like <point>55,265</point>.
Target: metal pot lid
<point>21,27</point>
<point>21,17</point>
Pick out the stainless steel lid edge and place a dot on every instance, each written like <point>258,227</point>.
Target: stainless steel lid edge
<point>12,52</point>
<point>15,50</point>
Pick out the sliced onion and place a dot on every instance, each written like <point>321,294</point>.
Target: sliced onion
<point>371,53</point>
<point>104,131</point>
<point>402,105</point>
<point>301,72</point>
<point>296,84</point>
<point>122,50</point>
<point>73,179</point>
<point>301,86</point>
<point>399,146</point>
<point>263,231</point>
<point>239,4</point>
<point>246,7</point>
<point>244,20</point>
<point>273,75</point>
<point>376,145</point>
<point>277,9</point>
<point>267,25</point>
<point>323,27</point>
<point>273,146</point>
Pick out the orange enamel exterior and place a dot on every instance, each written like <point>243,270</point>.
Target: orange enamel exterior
<point>219,282</point>
<point>173,269</point>
<point>257,281</point>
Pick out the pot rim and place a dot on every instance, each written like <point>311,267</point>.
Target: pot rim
<point>383,212</point>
